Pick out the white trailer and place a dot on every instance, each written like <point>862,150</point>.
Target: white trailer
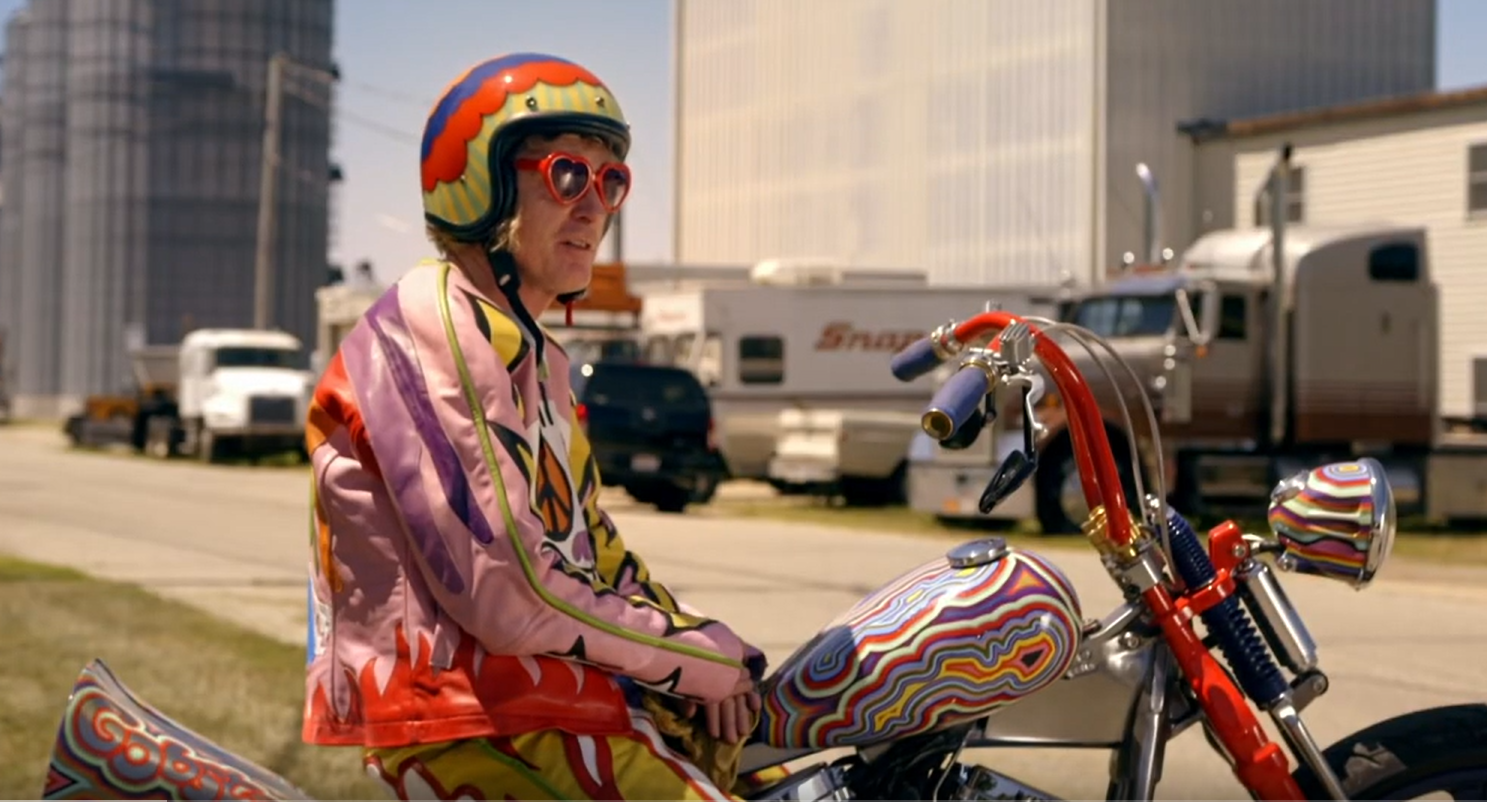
<point>804,337</point>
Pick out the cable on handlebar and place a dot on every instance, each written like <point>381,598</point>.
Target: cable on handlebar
<point>1087,429</point>
<point>1084,336</point>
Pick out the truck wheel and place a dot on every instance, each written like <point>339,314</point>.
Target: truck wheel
<point>705,489</point>
<point>671,498</point>
<point>158,437</point>
<point>1060,499</point>
<point>207,447</point>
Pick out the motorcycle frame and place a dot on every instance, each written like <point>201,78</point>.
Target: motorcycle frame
<point>1122,693</point>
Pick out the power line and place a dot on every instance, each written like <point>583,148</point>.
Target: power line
<point>381,128</point>
<point>391,94</point>
<point>340,113</point>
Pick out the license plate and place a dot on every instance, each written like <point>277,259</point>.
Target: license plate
<point>646,463</point>
<point>961,505</point>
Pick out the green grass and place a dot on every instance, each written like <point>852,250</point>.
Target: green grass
<point>1415,540</point>
<point>240,689</point>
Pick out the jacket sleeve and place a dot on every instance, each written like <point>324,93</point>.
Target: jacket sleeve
<point>443,419</point>
<point>627,572</point>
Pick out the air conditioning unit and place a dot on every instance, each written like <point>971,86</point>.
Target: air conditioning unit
<point>798,272</point>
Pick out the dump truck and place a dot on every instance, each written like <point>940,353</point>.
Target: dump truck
<point>1243,394</point>
<point>220,393</point>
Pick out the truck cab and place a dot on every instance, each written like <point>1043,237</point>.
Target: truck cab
<point>1351,370</point>
<point>242,390</point>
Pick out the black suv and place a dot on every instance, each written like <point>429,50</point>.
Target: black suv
<point>651,429</point>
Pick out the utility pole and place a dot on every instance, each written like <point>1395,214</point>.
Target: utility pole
<point>264,262</point>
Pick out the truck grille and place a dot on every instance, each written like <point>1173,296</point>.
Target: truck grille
<point>271,409</point>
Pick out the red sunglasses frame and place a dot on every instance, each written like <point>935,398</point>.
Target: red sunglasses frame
<point>595,176</point>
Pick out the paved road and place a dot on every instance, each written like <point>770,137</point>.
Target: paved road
<point>234,541</point>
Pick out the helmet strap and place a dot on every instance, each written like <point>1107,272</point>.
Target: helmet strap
<point>508,279</point>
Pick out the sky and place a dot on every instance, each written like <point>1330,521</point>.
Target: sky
<point>396,56</point>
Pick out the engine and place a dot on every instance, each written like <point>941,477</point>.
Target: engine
<point>818,782</point>
<point>978,782</point>
<point>963,781</point>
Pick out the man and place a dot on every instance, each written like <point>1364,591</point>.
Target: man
<point>479,626</point>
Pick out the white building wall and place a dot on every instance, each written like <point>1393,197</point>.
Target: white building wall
<point>953,135</point>
<point>1172,61</point>
<point>991,141</point>
<point>1408,170</point>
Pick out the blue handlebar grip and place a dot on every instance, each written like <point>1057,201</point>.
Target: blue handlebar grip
<point>915,361</point>
<point>955,403</point>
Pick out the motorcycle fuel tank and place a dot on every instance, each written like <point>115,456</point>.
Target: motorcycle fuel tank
<point>951,640</point>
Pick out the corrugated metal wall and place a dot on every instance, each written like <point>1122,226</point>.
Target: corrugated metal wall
<point>991,141</point>
<point>103,253</point>
<point>11,231</point>
<point>1411,171</point>
<point>952,134</point>
<point>155,160</point>
<point>206,145</point>
<point>39,204</point>
<point>1178,60</point>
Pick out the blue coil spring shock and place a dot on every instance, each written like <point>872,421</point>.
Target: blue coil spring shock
<point>1253,667</point>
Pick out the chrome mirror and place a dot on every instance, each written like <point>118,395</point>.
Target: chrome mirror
<point>1335,521</point>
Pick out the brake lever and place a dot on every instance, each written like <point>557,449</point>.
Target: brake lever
<point>1019,466</point>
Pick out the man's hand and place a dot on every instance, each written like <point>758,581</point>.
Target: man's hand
<point>732,719</point>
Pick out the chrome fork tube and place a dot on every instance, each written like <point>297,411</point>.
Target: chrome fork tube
<point>1305,746</point>
<point>1136,767</point>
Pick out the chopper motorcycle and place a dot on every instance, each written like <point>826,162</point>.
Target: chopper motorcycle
<point>988,645</point>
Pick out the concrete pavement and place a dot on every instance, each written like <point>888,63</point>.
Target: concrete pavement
<point>235,541</point>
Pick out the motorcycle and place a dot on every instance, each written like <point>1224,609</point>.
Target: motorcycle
<point>988,646</point>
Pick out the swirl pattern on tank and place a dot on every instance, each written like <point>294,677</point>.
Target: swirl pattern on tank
<point>113,746</point>
<point>937,645</point>
<point>1325,519</point>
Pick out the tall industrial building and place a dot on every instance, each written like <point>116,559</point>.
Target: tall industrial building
<point>131,136</point>
<point>991,141</point>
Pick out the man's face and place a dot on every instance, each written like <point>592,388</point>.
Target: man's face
<point>557,242</point>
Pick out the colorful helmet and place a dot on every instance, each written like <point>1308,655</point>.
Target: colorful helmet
<point>469,182</point>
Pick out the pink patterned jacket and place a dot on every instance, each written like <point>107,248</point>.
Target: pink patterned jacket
<point>465,582</point>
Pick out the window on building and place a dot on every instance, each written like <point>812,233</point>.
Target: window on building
<point>761,359</point>
<point>1476,179</point>
<point>1295,200</point>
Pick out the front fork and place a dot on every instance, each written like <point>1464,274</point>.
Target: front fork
<point>1165,710</point>
<point>1167,706</point>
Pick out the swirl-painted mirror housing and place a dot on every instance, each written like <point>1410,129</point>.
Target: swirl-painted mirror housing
<point>1335,521</point>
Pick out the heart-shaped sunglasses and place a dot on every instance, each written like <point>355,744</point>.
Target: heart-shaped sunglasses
<point>569,177</point>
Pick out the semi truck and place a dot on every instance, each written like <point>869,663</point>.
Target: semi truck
<point>219,393</point>
<point>1263,351</point>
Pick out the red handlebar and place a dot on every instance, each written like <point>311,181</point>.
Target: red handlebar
<point>1098,474</point>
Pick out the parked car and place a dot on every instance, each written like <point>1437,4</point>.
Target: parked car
<point>651,430</point>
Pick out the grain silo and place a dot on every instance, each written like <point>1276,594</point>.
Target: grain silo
<point>10,191</point>
<point>105,198</point>
<point>207,117</point>
<point>37,341</point>
<point>133,137</point>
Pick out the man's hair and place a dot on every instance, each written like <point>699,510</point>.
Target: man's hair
<point>504,239</point>
<point>506,235</point>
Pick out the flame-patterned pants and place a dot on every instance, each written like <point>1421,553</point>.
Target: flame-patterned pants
<point>551,764</point>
